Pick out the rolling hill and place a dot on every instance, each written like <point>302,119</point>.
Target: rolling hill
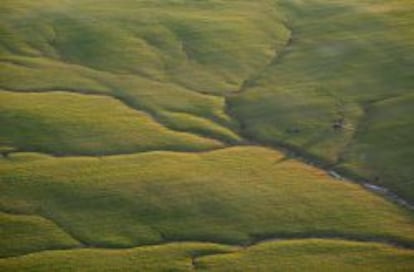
<point>206,135</point>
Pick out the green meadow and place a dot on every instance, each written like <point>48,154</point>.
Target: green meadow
<point>129,200</point>
<point>73,127</point>
<point>314,255</point>
<point>28,233</point>
<point>331,93</point>
<point>206,135</point>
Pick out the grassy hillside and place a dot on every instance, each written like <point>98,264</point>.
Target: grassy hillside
<point>175,257</point>
<point>311,255</point>
<point>388,125</point>
<point>28,233</point>
<point>154,55</point>
<point>124,201</point>
<point>161,100</point>
<point>128,126</point>
<point>209,45</point>
<point>314,255</point>
<point>326,93</point>
<point>65,123</point>
<point>303,74</point>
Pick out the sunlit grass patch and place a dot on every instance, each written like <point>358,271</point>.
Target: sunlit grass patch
<point>235,195</point>
<point>67,123</point>
<point>28,233</point>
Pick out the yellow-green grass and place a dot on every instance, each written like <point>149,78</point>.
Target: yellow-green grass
<point>141,51</point>
<point>235,195</point>
<point>343,56</point>
<point>156,55</point>
<point>312,255</point>
<point>294,69</point>
<point>169,257</point>
<point>388,125</point>
<point>68,123</point>
<point>25,74</point>
<point>202,126</point>
<point>22,234</point>
<point>120,49</point>
<point>294,255</point>
<point>211,46</point>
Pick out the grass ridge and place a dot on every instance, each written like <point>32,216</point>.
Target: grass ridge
<point>238,247</point>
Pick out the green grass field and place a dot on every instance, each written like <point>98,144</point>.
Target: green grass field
<point>152,198</point>
<point>73,127</point>
<point>28,233</point>
<point>189,135</point>
<point>314,255</point>
<point>347,65</point>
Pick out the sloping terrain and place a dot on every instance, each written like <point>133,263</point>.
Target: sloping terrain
<point>208,134</point>
<point>125,201</point>
<point>73,127</point>
<point>326,96</point>
<point>28,233</point>
<point>314,255</point>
